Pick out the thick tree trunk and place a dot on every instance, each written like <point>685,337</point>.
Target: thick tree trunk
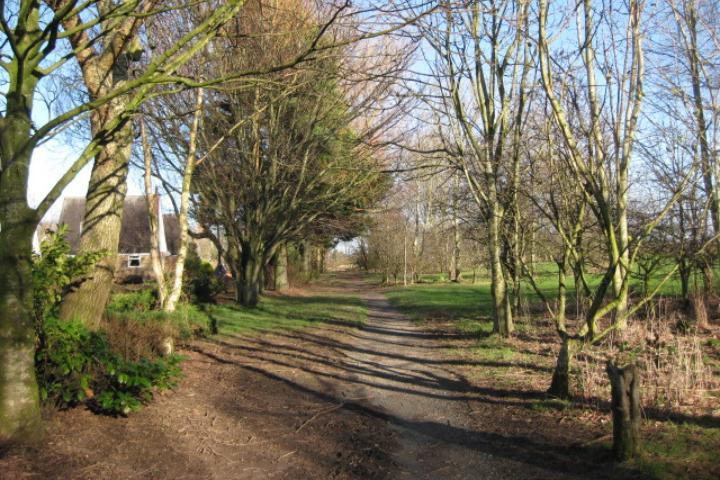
<point>103,71</point>
<point>248,282</point>
<point>103,217</point>
<point>625,385</point>
<point>19,402</point>
<point>101,229</point>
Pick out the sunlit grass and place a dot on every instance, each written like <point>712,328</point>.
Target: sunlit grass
<point>289,313</point>
<point>681,451</point>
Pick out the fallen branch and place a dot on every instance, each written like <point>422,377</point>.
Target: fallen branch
<point>318,414</point>
<point>595,440</point>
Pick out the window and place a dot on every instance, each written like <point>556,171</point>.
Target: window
<point>134,261</point>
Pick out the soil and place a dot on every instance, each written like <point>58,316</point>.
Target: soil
<point>391,400</point>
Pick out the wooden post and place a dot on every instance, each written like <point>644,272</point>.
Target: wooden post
<point>625,383</point>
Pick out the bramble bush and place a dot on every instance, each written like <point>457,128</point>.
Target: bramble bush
<point>137,332</point>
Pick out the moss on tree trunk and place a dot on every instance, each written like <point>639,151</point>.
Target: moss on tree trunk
<point>19,402</point>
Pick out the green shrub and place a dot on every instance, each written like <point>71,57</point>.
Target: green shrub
<point>201,284</point>
<point>139,301</point>
<point>76,365</point>
<point>55,272</point>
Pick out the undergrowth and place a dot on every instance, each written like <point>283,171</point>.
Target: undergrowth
<point>75,364</point>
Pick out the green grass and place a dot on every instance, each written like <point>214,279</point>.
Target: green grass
<point>288,313</point>
<point>681,451</point>
<point>434,296</point>
<point>443,300</point>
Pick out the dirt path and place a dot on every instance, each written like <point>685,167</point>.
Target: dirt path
<point>388,400</point>
<point>405,377</point>
<point>404,372</point>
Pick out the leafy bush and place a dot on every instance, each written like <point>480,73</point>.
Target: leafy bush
<point>139,301</point>
<point>55,272</point>
<point>77,365</point>
<point>201,283</point>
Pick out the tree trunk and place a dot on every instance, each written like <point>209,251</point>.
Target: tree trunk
<point>19,402</point>
<point>455,253</point>
<point>625,385</point>
<point>502,314</point>
<point>707,160</point>
<point>684,273</point>
<point>321,259</point>
<point>103,71</point>
<point>153,215</point>
<point>305,259</point>
<point>560,384</point>
<point>176,289</point>
<point>268,280</point>
<point>281,274</point>
<point>103,218</point>
<point>248,282</point>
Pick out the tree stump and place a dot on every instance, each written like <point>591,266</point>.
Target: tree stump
<point>625,384</point>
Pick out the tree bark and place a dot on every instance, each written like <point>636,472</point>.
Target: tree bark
<point>248,282</point>
<point>707,158</point>
<point>106,192</point>
<point>502,313</point>
<point>560,384</point>
<point>19,401</point>
<point>625,385</point>
<point>176,290</point>
<point>305,258</point>
<point>281,274</point>
<point>101,226</point>
<point>455,254</point>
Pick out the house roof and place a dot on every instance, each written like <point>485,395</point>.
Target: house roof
<point>172,232</point>
<point>135,229</point>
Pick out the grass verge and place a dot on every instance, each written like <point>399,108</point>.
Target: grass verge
<point>289,313</point>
